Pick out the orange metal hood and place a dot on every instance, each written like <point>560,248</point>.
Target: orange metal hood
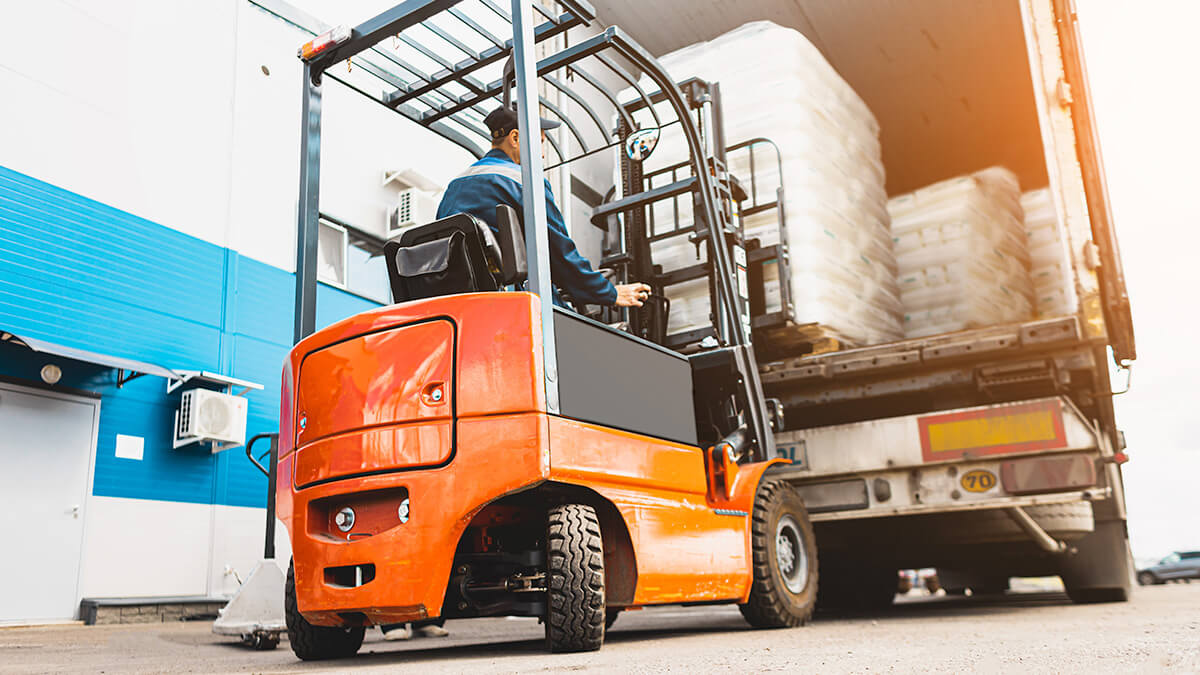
<point>381,391</point>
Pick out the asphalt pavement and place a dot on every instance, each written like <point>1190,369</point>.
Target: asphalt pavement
<point>1038,631</point>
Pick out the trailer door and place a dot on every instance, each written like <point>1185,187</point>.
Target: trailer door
<point>1076,170</point>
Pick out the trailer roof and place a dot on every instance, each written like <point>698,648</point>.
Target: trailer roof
<point>948,80</point>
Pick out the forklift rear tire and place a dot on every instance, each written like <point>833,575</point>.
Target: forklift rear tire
<point>784,590</point>
<point>313,643</point>
<point>575,613</point>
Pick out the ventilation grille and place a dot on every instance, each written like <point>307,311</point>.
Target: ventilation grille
<point>404,208</point>
<point>413,207</point>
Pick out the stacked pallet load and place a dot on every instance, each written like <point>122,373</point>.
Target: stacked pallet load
<point>843,273</point>
<point>961,250</point>
<point>1050,270</point>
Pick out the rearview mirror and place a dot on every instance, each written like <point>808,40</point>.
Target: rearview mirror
<point>641,143</point>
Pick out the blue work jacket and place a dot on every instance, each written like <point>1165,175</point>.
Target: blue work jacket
<point>495,179</point>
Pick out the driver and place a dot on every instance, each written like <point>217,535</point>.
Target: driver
<point>496,179</point>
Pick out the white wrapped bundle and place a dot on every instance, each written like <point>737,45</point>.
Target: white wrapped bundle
<point>1053,285</point>
<point>775,84</point>
<point>961,251</point>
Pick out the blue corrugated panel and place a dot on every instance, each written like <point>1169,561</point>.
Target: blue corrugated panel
<point>262,309</point>
<point>85,249</point>
<point>334,305</point>
<point>80,273</point>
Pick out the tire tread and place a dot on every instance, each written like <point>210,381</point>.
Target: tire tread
<point>575,611</point>
<point>767,608</point>
<point>313,643</point>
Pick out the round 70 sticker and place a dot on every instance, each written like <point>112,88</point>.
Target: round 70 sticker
<point>978,480</point>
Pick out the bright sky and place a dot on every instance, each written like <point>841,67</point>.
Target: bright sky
<point>1142,64</point>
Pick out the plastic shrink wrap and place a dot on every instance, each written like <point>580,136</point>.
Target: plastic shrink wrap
<point>961,251</point>
<point>1049,256</point>
<point>775,84</point>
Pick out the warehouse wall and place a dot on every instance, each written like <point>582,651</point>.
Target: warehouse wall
<point>148,181</point>
<point>148,189</point>
<point>86,275</point>
<point>182,125</point>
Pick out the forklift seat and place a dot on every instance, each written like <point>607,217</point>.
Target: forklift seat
<point>457,254</point>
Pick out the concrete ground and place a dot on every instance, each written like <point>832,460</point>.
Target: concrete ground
<point>1032,631</point>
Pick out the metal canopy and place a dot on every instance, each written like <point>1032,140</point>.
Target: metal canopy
<point>225,381</point>
<point>175,378</point>
<point>106,360</point>
<point>401,60</point>
<point>414,75</point>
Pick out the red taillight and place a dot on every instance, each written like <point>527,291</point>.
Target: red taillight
<point>330,38</point>
<point>1120,457</point>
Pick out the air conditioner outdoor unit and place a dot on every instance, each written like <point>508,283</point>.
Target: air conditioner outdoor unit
<point>413,207</point>
<point>206,415</point>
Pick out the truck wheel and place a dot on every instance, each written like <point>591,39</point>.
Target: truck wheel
<point>1099,571</point>
<point>575,613</point>
<point>311,642</point>
<point>784,590</point>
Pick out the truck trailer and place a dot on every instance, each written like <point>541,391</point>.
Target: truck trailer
<point>991,451</point>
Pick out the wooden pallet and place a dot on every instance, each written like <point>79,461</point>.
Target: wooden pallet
<point>793,340</point>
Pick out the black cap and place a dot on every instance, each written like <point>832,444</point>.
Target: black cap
<point>502,121</point>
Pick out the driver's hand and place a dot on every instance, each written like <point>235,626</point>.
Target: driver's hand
<point>632,295</point>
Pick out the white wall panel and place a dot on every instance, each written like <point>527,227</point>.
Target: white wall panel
<point>360,140</point>
<point>266,139</point>
<point>237,544</point>
<point>128,104</point>
<point>178,122</point>
<point>139,547</point>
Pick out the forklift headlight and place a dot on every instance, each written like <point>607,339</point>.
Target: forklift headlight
<point>344,519</point>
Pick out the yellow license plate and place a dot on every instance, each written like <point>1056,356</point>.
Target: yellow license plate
<point>1001,429</point>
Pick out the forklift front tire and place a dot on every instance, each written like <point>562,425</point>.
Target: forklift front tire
<point>311,642</point>
<point>575,613</point>
<point>784,590</point>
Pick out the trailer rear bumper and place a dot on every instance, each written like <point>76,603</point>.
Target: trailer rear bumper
<point>1090,495</point>
<point>1008,455</point>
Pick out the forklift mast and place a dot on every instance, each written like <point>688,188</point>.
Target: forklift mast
<point>500,66</point>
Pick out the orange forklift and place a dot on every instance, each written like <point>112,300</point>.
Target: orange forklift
<point>473,450</point>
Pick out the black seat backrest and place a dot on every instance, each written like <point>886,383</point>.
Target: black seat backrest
<point>512,245</point>
<point>458,254</point>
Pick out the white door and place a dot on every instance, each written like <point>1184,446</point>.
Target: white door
<point>46,450</point>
